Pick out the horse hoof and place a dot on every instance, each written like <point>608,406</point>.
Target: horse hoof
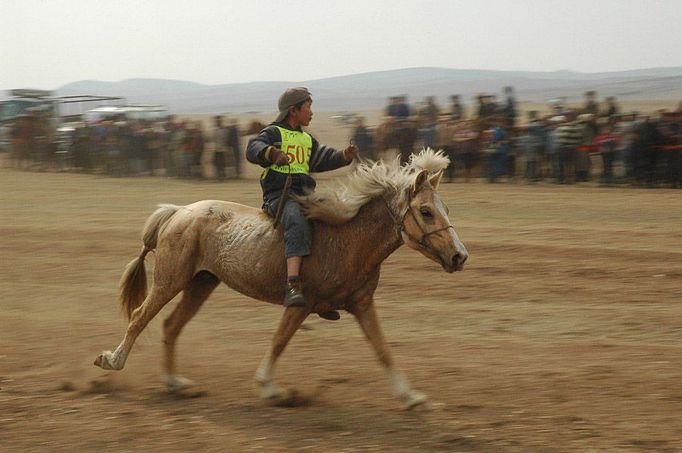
<point>177,383</point>
<point>104,361</point>
<point>271,392</point>
<point>286,398</point>
<point>413,400</point>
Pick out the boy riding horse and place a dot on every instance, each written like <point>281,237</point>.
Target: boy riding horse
<point>286,151</point>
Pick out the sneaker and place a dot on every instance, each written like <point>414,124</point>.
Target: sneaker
<point>293,297</point>
<point>331,315</point>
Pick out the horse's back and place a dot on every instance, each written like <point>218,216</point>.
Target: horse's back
<point>210,207</point>
<point>208,219</point>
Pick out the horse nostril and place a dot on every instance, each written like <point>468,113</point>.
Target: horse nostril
<point>459,259</point>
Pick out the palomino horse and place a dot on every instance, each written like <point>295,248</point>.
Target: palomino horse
<point>355,229</point>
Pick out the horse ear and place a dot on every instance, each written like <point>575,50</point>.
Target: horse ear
<point>435,179</point>
<point>419,181</point>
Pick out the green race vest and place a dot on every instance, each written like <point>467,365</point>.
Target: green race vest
<point>298,146</point>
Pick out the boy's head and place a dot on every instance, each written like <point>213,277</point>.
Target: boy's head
<point>292,101</point>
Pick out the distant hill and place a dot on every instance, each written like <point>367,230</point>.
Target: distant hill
<point>370,90</point>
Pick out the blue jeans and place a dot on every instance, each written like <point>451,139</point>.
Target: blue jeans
<point>297,232</point>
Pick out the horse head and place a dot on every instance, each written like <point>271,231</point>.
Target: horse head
<point>425,224</point>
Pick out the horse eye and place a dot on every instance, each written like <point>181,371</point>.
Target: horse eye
<point>426,213</point>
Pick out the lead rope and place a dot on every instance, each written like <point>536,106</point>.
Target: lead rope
<point>283,199</point>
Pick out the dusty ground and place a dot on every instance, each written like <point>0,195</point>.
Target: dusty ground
<point>562,334</point>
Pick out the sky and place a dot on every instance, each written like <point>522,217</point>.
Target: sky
<point>46,44</point>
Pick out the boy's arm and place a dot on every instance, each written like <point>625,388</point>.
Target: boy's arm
<point>325,158</point>
<point>257,149</point>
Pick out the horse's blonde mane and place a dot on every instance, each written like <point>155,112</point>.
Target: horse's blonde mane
<point>369,180</point>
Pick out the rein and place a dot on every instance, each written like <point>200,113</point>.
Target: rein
<point>282,199</point>
<point>400,223</point>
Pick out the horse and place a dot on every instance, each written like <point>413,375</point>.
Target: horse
<point>356,227</point>
<point>383,137</point>
<point>399,134</point>
<point>254,127</point>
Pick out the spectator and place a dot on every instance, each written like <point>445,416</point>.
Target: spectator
<point>487,109</point>
<point>456,108</point>
<point>219,147</point>
<point>398,110</point>
<point>611,108</point>
<point>552,147</point>
<point>234,143</point>
<point>674,152</point>
<point>428,119</point>
<point>623,129</point>
<point>172,149</point>
<point>497,148</point>
<point>445,131</point>
<point>154,133</point>
<point>514,149</point>
<point>82,147</point>
<point>539,133</point>
<point>606,145</point>
<point>197,148</point>
<point>558,106</point>
<point>183,139</point>
<point>591,106</point>
<point>113,141</point>
<point>650,139</point>
<point>583,163</point>
<point>509,107</point>
<point>528,145</point>
<point>466,142</point>
<point>568,138</point>
<point>404,130</point>
<point>390,106</point>
<point>134,147</point>
<point>22,141</point>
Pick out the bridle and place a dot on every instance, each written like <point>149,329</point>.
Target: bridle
<point>399,223</point>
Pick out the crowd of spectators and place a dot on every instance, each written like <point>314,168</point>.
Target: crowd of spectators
<point>594,142</point>
<point>490,139</point>
<point>120,146</point>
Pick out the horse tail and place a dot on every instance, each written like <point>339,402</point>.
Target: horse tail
<point>133,284</point>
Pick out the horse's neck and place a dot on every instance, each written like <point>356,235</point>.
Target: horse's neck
<point>375,235</point>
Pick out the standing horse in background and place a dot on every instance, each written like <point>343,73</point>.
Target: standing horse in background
<point>397,134</point>
<point>383,137</point>
<point>254,128</point>
<point>355,229</point>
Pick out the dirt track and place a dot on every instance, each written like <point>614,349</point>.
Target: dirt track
<point>563,333</point>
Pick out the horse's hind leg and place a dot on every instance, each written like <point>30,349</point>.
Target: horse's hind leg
<point>157,298</point>
<point>196,293</point>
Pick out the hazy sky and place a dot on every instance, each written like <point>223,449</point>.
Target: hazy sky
<point>45,44</point>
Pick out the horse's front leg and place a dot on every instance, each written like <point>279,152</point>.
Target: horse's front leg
<point>291,320</point>
<point>366,315</point>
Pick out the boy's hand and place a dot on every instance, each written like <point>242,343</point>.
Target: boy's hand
<point>276,156</point>
<point>351,152</point>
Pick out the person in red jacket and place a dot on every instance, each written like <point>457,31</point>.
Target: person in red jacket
<point>606,143</point>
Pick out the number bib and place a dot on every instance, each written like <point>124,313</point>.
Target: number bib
<point>298,146</point>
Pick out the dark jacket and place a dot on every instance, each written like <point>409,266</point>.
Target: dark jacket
<point>322,158</point>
